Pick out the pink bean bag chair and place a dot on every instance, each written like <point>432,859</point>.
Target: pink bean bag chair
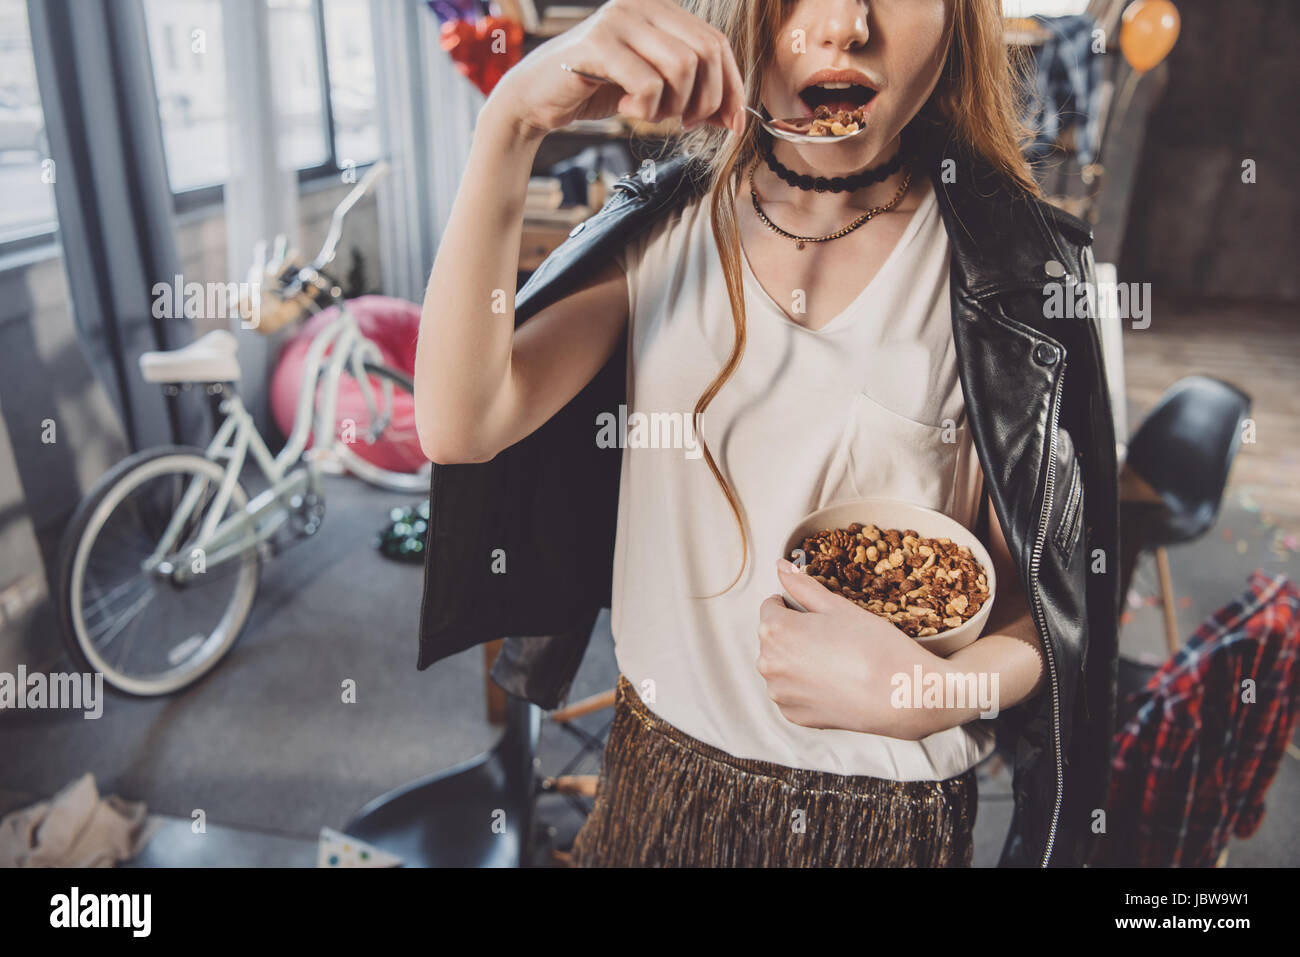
<point>392,325</point>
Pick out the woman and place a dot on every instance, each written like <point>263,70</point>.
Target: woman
<point>863,318</point>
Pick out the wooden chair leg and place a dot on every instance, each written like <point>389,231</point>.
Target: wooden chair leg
<point>583,785</point>
<point>492,692</point>
<point>1167,600</point>
<point>596,702</point>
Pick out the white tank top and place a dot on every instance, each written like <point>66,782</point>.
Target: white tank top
<point>857,408</point>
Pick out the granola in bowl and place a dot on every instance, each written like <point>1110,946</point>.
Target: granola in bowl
<point>919,592</point>
<point>922,585</point>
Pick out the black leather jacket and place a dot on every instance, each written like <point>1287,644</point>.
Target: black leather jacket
<point>1039,413</point>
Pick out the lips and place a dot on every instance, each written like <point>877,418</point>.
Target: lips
<point>837,90</point>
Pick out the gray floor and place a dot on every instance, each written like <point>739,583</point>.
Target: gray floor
<point>265,741</point>
<point>270,753</point>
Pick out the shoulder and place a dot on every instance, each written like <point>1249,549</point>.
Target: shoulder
<point>636,204</point>
<point>655,190</point>
<point>975,192</point>
<point>665,236</point>
<point>1072,228</point>
<point>1003,234</point>
<point>662,202</point>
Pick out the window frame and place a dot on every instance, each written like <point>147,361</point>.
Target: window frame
<point>330,166</point>
<point>43,237</point>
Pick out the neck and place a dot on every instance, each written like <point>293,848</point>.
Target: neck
<point>788,156</point>
<point>771,188</point>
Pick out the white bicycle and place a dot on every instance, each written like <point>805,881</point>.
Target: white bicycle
<point>160,563</point>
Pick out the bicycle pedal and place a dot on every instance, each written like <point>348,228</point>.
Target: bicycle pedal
<point>308,514</point>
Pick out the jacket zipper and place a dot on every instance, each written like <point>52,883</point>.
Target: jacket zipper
<point>1067,533</point>
<point>1034,562</point>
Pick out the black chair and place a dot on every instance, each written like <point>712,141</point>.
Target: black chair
<point>477,814</point>
<point>1180,457</point>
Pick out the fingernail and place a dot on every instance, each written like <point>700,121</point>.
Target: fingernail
<point>785,565</point>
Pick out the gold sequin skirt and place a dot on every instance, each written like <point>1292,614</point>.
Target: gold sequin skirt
<point>666,799</point>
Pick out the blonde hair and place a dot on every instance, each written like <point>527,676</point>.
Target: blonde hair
<point>974,107</point>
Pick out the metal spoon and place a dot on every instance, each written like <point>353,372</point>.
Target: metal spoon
<point>763,121</point>
<point>791,137</point>
<point>586,76</point>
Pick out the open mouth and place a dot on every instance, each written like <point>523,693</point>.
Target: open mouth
<point>836,96</point>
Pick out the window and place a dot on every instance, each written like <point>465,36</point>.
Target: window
<point>26,175</point>
<point>1046,8</point>
<point>187,48</point>
<point>323,96</point>
<point>297,75</point>
<point>350,55</point>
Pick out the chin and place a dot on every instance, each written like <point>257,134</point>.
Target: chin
<point>842,160</point>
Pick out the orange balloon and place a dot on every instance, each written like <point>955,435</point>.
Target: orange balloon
<point>1148,33</point>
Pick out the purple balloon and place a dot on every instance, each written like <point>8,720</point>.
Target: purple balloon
<point>446,10</point>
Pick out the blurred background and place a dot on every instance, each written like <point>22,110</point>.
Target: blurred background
<point>147,142</point>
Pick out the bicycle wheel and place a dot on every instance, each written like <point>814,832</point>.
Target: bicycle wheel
<point>383,449</point>
<point>148,631</point>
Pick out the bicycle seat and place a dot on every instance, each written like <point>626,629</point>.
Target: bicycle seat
<point>210,358</point>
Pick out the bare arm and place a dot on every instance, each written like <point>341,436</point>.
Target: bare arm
<point>479,386</point>
<point>1010,646</point>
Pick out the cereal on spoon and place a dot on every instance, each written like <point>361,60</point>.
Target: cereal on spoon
<point>828,122</point>
<point>825,122</point>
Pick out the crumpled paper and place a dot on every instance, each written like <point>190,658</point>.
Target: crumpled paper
<point>75,828</point>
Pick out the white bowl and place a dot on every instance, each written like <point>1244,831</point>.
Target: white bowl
<point>892,513</point>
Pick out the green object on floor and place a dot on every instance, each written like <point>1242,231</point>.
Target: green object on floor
<point>404,536</point>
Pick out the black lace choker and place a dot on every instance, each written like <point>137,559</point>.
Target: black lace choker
<point>834,184</point>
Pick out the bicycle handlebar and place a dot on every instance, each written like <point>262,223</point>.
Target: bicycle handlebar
<point>294,289</point>
<point>327,251</point>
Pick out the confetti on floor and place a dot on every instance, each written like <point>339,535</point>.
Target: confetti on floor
<point>341,850</point>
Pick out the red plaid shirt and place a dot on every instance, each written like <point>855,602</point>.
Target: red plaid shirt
<point>1192,765</point>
